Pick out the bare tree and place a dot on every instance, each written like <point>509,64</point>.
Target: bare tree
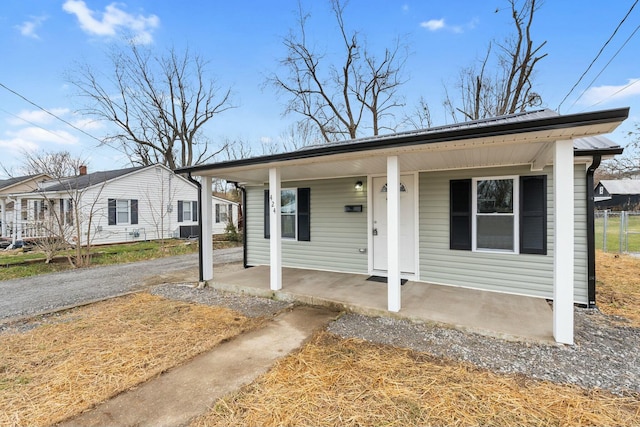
<point>420,117</point>
<point>337,97</point>
<point>56,164</point>
<point>626,165</point>
<point>158,104</point>
<point>489,89</point>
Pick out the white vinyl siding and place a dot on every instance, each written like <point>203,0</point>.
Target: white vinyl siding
<point>524,274</point>
<point>336,236</point>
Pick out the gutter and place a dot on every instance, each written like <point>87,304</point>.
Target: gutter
<point>591,238</point>
<point>200,255</point>
<point>244,227</point>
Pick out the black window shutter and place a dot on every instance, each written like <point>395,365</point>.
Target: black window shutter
<point>267,229</point>
<point>180,213</point>
<point>217,213</point>
<point>533,214</point>
<point>112,211</point>
<point>194,211</point>
<point>134,211</point>
<point>460,214</point>
<point>304,214</point>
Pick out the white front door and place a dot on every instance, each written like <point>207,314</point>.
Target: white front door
<point>407,224</point>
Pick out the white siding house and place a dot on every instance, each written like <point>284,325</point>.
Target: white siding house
<point>124,205</point>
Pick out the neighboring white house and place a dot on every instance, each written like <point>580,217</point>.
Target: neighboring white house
<point>224,212</point>
<point>503,204</point>
<point>124,205</point>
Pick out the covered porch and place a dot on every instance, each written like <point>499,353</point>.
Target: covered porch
<point>488,313</point>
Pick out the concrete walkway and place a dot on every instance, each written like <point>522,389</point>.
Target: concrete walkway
<point>190,390</point>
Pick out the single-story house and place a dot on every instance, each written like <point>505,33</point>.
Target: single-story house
<point>618,194</point>
<point>116,206</point>
<point>500,205</point>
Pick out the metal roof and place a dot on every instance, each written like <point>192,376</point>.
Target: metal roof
<point>527,123</point>
<point>621,186</point>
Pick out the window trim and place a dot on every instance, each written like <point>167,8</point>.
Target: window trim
<point>515,179</point>
<point>126,210</point>
<point>303,214</point>
<point>112,211</point>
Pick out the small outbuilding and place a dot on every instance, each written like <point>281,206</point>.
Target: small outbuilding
<point>618,195</point>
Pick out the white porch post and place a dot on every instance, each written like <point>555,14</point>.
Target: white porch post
<point>3,229</point>
<point>207,228</point>
<point>563,251</point>
<point>17,223</point>
<point>275,227</point>
<point>393,234</point>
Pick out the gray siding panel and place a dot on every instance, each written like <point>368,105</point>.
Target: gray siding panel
<point>336,236</point>
<point>521,274</point>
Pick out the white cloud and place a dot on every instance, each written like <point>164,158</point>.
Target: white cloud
<point>28,28</point>
<point>599,94</point>
<point>113,21</point>
<point>38,135</point>
<point>36,116</point>
<point>440,24</point>
<point>433,24</point>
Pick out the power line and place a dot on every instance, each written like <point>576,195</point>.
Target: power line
<point>606,65</point>
<point>52,114</point>
<point>31,123</point>
<point>598,55</point>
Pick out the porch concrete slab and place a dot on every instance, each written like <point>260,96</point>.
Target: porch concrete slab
<point>489,313</point>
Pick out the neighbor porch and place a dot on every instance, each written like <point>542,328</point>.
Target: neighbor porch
<point>489,313</point>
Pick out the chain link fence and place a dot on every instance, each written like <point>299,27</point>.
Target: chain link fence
<point>617,232</point>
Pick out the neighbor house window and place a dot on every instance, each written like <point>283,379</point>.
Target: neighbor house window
<point>503,214</point>
<point>221,213</point>
<point>295,207</point>
<point>66,211</point>
<point>123,211</point>
<point>187,210</point>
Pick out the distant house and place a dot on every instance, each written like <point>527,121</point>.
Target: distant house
<point>224,212</point>
<point>618,194</point>
<point>123,205</point>
<point>15,185</point>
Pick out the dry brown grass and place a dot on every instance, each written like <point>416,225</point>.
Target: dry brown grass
<point>618,285</point>
<point>338,382</point>
<point>92,353</point>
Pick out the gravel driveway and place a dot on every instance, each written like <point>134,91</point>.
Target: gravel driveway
<point>39,294</point>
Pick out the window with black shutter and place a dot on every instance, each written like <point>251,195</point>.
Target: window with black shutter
<point>533,214</point>
<point>295,214</point>
<point>460,214</point>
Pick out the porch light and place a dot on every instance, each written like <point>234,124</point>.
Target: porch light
<point>359,186</point>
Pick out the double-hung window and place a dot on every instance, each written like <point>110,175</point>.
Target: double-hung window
<point>494,214</point>
<point>123,211</point>
<point>288,209</point>
<point>501,214</point>
<point>187,210</point>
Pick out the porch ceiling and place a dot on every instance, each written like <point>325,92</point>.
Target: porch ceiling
<point>466,154</point>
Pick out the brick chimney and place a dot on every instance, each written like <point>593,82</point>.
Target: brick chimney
<point>83,170</point>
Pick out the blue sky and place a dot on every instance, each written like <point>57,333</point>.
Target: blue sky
<point>41,40</point>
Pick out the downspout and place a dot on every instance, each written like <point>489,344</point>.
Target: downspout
<point>244,227</point>
<point>242,210</point>
<point>200,256</point>
<point>591,243</point>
